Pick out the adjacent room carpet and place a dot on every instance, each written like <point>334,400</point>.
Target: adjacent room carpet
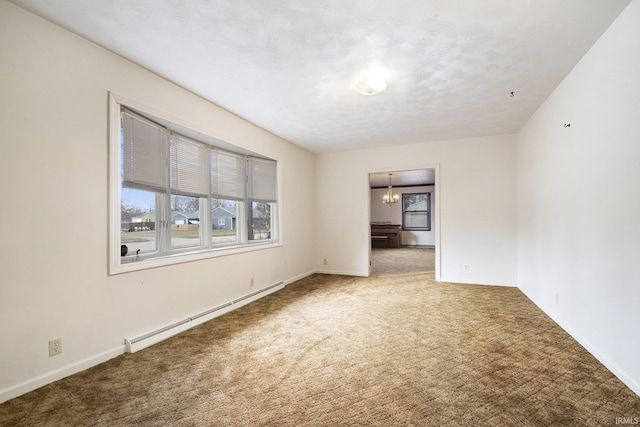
<point>394,349</point>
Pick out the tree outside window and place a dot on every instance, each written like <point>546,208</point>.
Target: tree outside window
<point>416,211</point>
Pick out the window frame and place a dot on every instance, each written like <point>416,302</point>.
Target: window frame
<point>169,257</point>
<point>428,212</point>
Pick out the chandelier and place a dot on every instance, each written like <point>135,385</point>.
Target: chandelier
<point>390,198</point>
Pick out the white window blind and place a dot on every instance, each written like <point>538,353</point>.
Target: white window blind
<point>161,168</point>
<point>415,211</point>
<point>189,167</point>
<point>144,153</point>
<point>416,220</point>
<point>262,180</point>
<point>227,175</point>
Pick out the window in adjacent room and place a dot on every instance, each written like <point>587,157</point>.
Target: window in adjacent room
<point>416,211</point>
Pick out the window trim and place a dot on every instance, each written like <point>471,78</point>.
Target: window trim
<point>114,190</point>
<point>428,211</point>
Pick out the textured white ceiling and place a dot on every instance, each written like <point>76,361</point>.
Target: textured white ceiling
<point>290,65</point>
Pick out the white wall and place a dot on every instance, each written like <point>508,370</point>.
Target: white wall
<point>53,217</point>
<point>382,212</point>
<point>475,198</point>
<point>577,211</point>
<point>579,203</point>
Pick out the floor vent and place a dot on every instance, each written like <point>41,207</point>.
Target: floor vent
<point>142,341</point>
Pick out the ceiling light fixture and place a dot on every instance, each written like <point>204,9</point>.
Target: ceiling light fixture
<point>370,86</point>
<point>372,82</point>
<point>390,198</point>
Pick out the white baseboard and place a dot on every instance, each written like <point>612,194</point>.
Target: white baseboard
<point>298,277</point>
<point>150,338</point>
<point>479,282</point>
<point>615,370</point>
<point>341,273</point>
<point>42,380</point>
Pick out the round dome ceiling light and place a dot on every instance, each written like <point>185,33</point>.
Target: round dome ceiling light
<point>370,86</point>
<point>372,81</point>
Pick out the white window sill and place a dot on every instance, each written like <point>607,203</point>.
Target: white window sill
<point>143,263</point>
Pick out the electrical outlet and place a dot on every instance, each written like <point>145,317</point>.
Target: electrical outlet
<point>251,281</point>
<point>465,267</point>
<point>324,261</point>
<point>55,347</point>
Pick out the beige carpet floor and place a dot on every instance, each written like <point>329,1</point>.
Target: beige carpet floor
<point>389,350</point>
<point>394,262</point>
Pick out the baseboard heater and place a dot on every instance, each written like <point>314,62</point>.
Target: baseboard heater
<point>142,341</point>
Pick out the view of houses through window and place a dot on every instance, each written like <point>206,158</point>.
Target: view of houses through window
<point>179,195</point>
<point>139,222</point>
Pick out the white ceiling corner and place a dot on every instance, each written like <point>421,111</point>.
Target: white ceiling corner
<point>289,66</point>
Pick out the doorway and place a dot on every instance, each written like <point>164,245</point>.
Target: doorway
<point>404,202</point>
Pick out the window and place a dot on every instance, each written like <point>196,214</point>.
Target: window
<point>179,197</point>
<point>416,211</point>
<point>224,220</point>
